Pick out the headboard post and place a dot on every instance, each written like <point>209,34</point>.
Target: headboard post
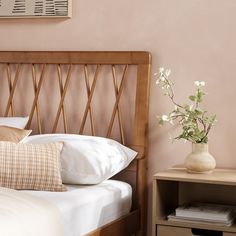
<point>141,138</point>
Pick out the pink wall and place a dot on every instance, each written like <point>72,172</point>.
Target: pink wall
<point>195,38</point>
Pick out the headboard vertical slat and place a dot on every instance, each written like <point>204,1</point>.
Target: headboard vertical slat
<point>37,95</point>
<point>13,87</point>
<point>116,106</point>
<point>88,88</point>
<point>61,85</point>
<point>88,105</point>
<point>10,87</point>
<point>63,95</point>
<point>35,84</point>
<point>116,88</point>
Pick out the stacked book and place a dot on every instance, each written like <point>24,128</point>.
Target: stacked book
<point>221,215</point>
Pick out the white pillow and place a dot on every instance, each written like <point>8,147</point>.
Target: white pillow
<point>88,159</point>
<point>17,122</point>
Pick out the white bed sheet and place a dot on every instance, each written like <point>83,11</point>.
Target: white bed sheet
<point>86,208</point>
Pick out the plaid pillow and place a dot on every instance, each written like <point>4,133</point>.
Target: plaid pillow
<point>31,166</point>
<point>12,134</point>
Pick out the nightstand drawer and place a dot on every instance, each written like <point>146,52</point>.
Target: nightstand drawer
<point>179,231</point>
<point>173,231</point>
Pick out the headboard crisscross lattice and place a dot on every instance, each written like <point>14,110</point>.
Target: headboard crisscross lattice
<point>94,93</point>
<point>37,81</point>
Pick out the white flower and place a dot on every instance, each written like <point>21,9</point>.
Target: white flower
<point>168,72</point>
<point>191,107</point>
<point>157,81</point>
<point>202,83</point>
<point>161,70</point>
<point>186,117</point>
<point>165,118</point>
<point>162,78</point>
<point>199,83</point>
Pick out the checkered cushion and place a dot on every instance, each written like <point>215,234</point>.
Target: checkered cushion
<point>12,134</point>
<point>31,166</point>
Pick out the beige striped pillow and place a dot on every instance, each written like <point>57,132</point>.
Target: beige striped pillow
<point>31,166</point>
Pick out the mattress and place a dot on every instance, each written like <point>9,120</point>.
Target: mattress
<point>86,208</point>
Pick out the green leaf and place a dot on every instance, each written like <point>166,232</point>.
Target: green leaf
<point>212,119</point>
<point>161,122</point>
<point>192,98</point>
<point>198,112</point>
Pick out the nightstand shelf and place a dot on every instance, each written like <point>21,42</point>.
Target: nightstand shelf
<point>175,186</point>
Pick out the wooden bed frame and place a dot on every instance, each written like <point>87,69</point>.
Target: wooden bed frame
<point>34,69</point>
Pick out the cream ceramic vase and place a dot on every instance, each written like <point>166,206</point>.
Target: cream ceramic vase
<point>200,160</point>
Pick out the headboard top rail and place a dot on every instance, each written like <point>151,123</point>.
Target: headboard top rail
<point>82,57</point>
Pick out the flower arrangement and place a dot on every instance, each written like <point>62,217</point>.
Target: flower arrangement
<point>195,122</point>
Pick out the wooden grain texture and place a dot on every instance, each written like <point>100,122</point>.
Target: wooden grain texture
<point>62,88</point>
<point>216,193</point>
<point>228,234</point>
<point>88,88</point>
<point>154,208</point>
<point>125,226</point>
<point>29,60</point>
<point>116,88</point>
<point>141,138</point>
<point>37,92</point>
<point>35,84</point>
<point>116,106</point>
<point>173,231</point>
<point>167,198</point>
<point>63,95</point>
<point>12,88</point>
<point>90,96</point>
<point>85,57</point>
<point>219,176</point>
<point>226,229</point>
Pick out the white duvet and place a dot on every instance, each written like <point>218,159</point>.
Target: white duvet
<point>22,214</point>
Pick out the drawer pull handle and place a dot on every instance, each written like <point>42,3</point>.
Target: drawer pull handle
<point>205,232</point>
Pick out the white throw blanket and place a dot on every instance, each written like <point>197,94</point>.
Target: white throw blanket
<point>22,214</point>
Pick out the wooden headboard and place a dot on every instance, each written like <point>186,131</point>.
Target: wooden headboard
<point>93,93</point>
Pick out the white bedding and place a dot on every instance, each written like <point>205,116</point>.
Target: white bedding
<point>25,215</point>
<point>85,208</point>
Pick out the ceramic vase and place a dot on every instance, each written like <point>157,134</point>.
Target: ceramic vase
<point>200,160</point>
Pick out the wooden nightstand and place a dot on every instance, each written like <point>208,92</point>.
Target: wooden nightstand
<point>175,186</point>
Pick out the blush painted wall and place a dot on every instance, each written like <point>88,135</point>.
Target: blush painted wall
<point>195,38</point>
